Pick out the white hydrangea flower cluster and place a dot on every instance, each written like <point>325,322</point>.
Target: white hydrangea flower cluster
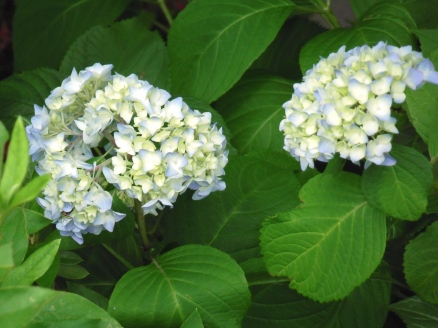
<point>153,149</point>
<point>344,104</point>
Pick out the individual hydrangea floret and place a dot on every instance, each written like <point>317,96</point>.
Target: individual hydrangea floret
<point>344,104</point>
<point>99,129</point>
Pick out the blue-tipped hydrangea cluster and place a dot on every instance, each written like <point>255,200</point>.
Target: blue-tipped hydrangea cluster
<point>344,104</point>
<point>98,129</point>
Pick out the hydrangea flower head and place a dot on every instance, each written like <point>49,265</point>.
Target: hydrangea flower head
<point>344,104</point>
<point>99,129</point>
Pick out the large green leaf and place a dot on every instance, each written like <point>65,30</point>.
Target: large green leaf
<point>128,45</point>
<point>401,190</point>
<point>420,262</point>
<point>6,260</point>
<point>40,307</point>
<point>277,306</point>
<point>281,57</point>
<point>193,321</point>
<point>386,21</point>
<point>166,292</point>
<point>331,243</point>
<point>20,92</point>
<point>213,42</point>
<point>253,110</point>
<point>33,267</point>
<point>230,220</point>
<point>44,29</point>
<point>31,190</point>
<point>35,221</point>
<point>416,313</point>
<point>361,6</point>
<point>13,231</point>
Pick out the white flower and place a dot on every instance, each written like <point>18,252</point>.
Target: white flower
<point>344,104</point>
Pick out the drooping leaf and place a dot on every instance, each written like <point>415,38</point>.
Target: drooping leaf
<point>281,57</point>
<point>43,30</point>
<point>15,168</point>
<point>13,231</point>
<point>331,243</point>
<point>416,313</point>
<point>387,21</point>
<point>20,92</point>
<point>213,42</point>
<point>177,283</point>
<point>253,110</point>
<point>401,190</point>
<point>40,307</point>
<point>230,220</point>
<point>33,267</point>
<point>277,306</point>
<point>129,45</point>
<point>420,263</point>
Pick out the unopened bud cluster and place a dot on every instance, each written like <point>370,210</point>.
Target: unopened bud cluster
<point>99,129</point>
<point>344,104</point>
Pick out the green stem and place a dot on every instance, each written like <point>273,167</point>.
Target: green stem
<point>141,225</point>
<point>155,227</point>
<point>327,14</point>
<point>117,256</point>
<point>166,11</point>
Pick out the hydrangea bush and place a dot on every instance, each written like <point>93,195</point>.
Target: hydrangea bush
<point>219,163</point>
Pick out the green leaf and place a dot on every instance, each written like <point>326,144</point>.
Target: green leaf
<point>16,162</point>
<point>177,283</point>
<point>422,12</point>
<point>69,258</point>
<point>334,219</point>
<point>360,7</point>
<point>416,313</point>
<point>13,231</point>
<point>48,278</point>
<point>20,92</point>
<point>128,45</point>
<point>40,307</point>
<point>420,263</point>
<point>31,190</point>
<point>422,107</point>
<point>401,190</point>
<point>43,30</point>
<point>4,137</point>
<point>211,43</point>
<point>230,220</point>
<point>33,267</point>
<point>6,260</point>
<point>35,221</point>
<point>193,321</point>
<point>128,250</point>
<point>428,40</point>
<point>73,272</point>
<point>88,293</point>
<point>253,110</point>
<point>281,57</point>
<point>277,306</point>
<point>387,21</point>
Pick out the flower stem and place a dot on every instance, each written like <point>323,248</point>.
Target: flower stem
<point>327,14</point>
<point>166,11</point>
<point>141,225</point>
